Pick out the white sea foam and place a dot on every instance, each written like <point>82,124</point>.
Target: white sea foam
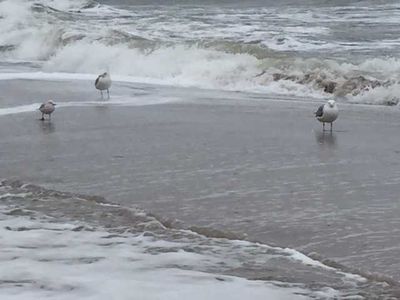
<point>379,95</point>
<point>19,109</point>
<point>35,247</point>
<point>178,65</point>
<point>207,68</point>
<point>53,261</point>
<point>66,5</point>
<point>124,101</point>
<point>206,47</point>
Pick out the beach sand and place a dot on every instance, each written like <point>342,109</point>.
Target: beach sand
<point>256,166</point>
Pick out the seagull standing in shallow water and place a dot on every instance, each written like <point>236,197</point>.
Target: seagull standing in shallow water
<point>327,113</point>
<point>103,82</point>
<point>47,108</point>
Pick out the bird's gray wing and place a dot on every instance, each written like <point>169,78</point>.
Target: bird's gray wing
<point>320,111</point>
<point>41,106</point>
<point>97,80</point>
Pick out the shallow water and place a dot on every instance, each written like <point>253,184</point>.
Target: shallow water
<point>205,174</point>
<point>219,164</point>
<point>90,242</point>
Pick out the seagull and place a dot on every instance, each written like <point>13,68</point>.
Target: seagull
<point>103,82</point>
<point>327,113</point>
<point>47,108</point>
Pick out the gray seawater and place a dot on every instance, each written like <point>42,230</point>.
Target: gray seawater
<point>185,177</point>
<point>342,49</point>
<point>297,51</point>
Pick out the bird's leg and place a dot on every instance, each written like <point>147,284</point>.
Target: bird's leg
<point>108,93</point>
<point>42,119</point>
<point>323,126</point>
<point>331,126</point>
<point>49,117</point>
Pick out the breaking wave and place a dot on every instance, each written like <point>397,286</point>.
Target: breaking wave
<point>86,37</point>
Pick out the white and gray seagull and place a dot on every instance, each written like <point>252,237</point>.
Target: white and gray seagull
<point>327,113</point>
<point>47,108</point>
<point>103,82</point>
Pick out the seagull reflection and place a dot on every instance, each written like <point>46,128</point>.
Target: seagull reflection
<point>47,127</point>
<point>326,139</point>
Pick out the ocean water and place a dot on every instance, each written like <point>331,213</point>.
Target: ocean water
<point>59,245</point>
<point>285,47</point>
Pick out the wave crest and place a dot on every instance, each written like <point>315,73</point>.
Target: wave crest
<point>52,32</point>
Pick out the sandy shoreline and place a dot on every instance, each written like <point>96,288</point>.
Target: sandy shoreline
<point>257,168</point>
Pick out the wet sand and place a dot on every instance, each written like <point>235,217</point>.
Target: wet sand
<point>256,167</point>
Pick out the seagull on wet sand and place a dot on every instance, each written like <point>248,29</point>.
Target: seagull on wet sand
<point>47,108</point>
<point>103,82</point>
<point>327,113</point>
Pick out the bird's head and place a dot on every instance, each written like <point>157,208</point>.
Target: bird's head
<point>51,102</point>
<point>331,103</point>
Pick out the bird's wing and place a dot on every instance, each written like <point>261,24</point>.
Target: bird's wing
<point>97,80</point>
<point>41,106</point>
<point>320,111</point>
